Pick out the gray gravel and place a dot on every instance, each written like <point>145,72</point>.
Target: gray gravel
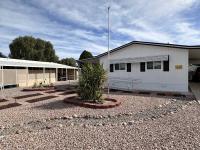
<point>139,123</point>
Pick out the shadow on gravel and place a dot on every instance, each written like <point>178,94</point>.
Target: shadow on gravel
<point>163,95</point>
<point>55,105</point>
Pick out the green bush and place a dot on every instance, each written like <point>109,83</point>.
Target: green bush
<point>91,82</point>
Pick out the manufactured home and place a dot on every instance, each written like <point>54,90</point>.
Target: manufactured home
<point>149,66</point>
<point>25,73</point>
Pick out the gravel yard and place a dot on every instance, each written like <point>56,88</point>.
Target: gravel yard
<point>141,122</point>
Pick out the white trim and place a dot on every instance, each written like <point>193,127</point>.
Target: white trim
<point>29,63</point>
<point>140,59</point>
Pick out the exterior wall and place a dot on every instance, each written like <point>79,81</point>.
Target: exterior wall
<point>36,76</point>
<point>71,75</point>
<point>9,76</point>
<point>23,79</point>
<point>155,80</point>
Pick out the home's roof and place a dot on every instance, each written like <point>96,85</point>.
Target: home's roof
<point>30,63</point>
<point>153,44</point>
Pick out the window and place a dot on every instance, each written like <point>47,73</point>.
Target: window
<point>111,67</point>
<point>128,67</point>
<point>142,67</point>
<point>150,65</point>
<point>157,65</point>
<point>122,66</point>
<point>154,65</point>
<point>116,66</point>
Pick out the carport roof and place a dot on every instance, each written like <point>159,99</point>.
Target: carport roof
<point>30,63</point>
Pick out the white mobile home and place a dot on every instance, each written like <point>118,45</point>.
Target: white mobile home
<point>150,66</point>
<point>16,72</point>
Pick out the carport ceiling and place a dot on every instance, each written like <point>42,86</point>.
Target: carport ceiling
<point>194,54</point>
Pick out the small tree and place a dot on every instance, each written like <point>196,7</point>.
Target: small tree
<point>68,61</point>
<point>91,82</point>
<point>85,54</point>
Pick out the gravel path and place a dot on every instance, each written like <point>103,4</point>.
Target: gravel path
<point>141,122</point>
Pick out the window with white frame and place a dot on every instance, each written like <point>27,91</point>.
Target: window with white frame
<point>157,65</point>
<point>154,65</point>
<point>120,66</point>
<point>150,65</point>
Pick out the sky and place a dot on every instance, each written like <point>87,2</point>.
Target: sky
<point>76,25</point>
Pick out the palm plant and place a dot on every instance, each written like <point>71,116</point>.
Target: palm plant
<point>91,82</point>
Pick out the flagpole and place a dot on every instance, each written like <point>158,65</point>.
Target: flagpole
<point>108,48</point>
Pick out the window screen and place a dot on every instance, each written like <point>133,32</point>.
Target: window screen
<point>150,65</point>
<point>122,66</point>
<point>142,67</point>
<point>116,66</point>
<point>128,67</point>
<point>111,67</point>
<point>157,64</point>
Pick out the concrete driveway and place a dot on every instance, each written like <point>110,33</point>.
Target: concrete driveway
<point>195,87</point>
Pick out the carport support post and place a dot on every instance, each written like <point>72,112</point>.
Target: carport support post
<point>43,74</point>
<point>27,76</point>
<point>66,75</point>
<point>16,75</point>
<point>56,74</point>
<point>74,75</point>
<point>1,83</point>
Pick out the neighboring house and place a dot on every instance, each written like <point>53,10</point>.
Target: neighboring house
<point>149,66</point>
<point>16,72</point>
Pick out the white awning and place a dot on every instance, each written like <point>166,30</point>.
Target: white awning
<point>140,59</point>
<point>29,63</point>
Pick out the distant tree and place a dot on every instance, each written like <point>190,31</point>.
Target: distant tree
<point>30,48</point>
<point>85,54</point>
<point>2,55</point>
<point>68,61</point>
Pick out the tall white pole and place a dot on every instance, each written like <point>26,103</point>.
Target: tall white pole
<point>108,48</point>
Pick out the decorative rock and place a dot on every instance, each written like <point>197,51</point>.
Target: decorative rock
<point>172,112</point>
<point>48,127</point>
<point>130,122</point>
<point>72,124</point>
<point>60,125</point>
<point>124,123</point>
<point>18,132</point>
<point>100,117</point>
<point>160,105</point>
<point>74,116</point>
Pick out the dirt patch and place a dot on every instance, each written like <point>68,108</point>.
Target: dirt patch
<point>38,89</point>
<point>9,105</point>
<point>3,100</point>
<point>69,92</point>
<point>26,96</point>
<point>108,103</point>
<point>41,99</point>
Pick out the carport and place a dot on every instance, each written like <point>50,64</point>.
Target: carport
<point>194,59</point>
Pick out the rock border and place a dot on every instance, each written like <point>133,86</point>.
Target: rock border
<point>74,101</point>
<point>38,89</point>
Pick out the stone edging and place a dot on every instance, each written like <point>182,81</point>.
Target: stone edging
<point>73,100</point>
<point>38,89</point>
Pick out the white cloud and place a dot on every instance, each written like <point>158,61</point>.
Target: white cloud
<point>73,26</point>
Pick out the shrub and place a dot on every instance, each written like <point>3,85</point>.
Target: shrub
<point>91,82</point>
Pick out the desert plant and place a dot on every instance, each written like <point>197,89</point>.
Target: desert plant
<point>35,85</point>
<point>91,82</point>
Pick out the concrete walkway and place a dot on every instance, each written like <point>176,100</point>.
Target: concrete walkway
<point>195,87</point>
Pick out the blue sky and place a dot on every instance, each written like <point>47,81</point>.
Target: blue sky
<point>76,25</point>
